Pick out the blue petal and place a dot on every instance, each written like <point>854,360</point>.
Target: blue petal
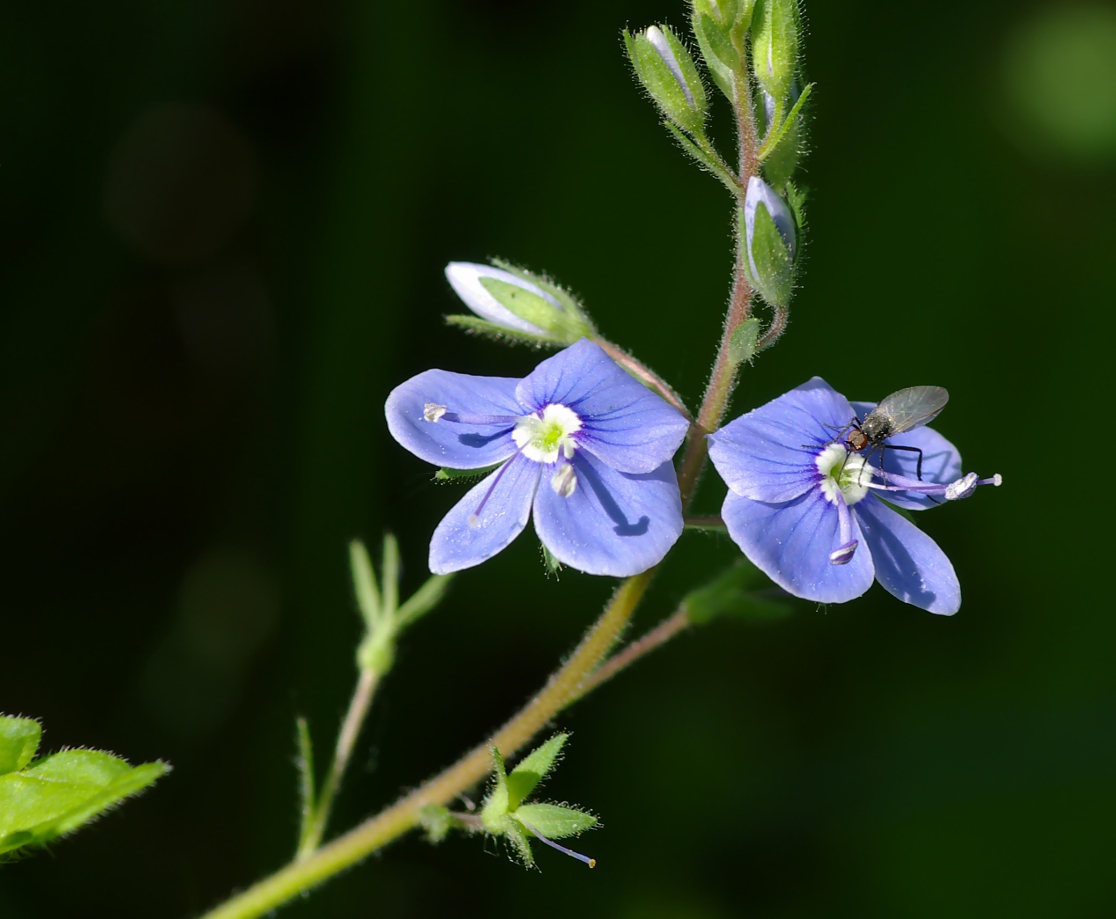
<point>791,543</point>
<point>909,563</point>
<point>769,454</point>
<point>941,462</point>
<point>614,523</point>
<point>624,424</point>
<point>506,495</point>
<point>447,443</point>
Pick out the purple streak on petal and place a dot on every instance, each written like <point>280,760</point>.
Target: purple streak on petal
<point>941,462</point>
<point>448,443</point>
<point>624,424</point>
<point>506,496</point>
<point>769,454</point>
<point>465,278</point>
<point>614,523</point>
<point>909,563</point>
<point>791,543</point>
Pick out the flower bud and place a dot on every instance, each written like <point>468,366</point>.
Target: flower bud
<point>518,303</point>
<point>720,27</point>
<point>667,72</point>
<point>770,242</point>
<point>775,45</point>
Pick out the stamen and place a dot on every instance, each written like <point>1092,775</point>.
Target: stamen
<point>479,419</point>
<point>591,862</point>
<point>953,491</point>
<point>967,484</point>
<point>564,482</point>
<point>844,553</point>
<point>474,518</point>
<point>432,411</point>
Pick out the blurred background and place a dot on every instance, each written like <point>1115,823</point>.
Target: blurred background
<point>223,231</point>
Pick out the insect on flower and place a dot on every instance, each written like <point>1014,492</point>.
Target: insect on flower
<point>900,412</point>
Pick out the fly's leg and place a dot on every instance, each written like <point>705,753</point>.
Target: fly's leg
<point>909,450</point>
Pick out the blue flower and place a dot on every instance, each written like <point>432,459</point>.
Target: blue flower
<point>578,440</point>
<point>805,509</point>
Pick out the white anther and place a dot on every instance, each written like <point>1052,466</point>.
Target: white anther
<point>564,481</point>
<point>432,411</point>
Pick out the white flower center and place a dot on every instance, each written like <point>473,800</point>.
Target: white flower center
<point>543,437</point>
<point>845,470</point>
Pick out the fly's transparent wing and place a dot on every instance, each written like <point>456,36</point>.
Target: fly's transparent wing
<point>912,407</point>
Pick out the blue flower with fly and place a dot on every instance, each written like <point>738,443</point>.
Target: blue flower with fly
<point>804,501</point>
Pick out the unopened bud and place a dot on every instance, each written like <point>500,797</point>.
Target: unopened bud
<point>769,238</point>
<point>775,46</point>
<point>518,303</point>
<point>667,72</point>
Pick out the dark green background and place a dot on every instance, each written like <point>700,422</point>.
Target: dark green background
<point>223,232</point>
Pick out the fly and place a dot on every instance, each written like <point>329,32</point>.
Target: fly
<point>900,412</point>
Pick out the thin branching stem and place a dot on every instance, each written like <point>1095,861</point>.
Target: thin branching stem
<point>630,653</point>
<point>346,741</point>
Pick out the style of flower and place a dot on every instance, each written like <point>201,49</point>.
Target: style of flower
<point>578,440</point>
<point>806,509</point>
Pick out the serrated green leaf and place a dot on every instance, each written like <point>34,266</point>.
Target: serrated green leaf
<point>735,592</point>
<point>19,739</point>
<point>483,327</point>
<point>532,769</point>
<point>61,792</point>
<point>742,345</point>
<point>555,821</point>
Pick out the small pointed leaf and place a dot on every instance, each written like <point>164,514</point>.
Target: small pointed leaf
<point>518,838</point>
<point>738,592</point>
<point>742,345</point>
<point>496,801</point>
<point>451,475</point>
<point>532,769</point>
<point>19,739</point>
<point>555,821</point>
<point>490,329</point>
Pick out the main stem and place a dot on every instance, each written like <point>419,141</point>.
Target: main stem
<point>574,677</point>
<point>402,816</point>
<point>723,376</point>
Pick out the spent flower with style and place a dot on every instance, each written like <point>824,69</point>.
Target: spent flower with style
<point>578,442</point>
<point>806,510</point>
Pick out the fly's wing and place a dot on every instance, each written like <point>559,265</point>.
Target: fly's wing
<point>912,407</point>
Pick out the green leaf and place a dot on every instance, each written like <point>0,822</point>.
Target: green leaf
<point>19,739</point>
<point>735,592</point>
<point>555,821</point>
<point>483,327</point>
<point>775,45</point>
<point>423,600</point>
<point>742,345</point>
<point>532,769</point>
<point>389,574</point>
<point>451,475</point>
<point>553,566</point>
<point>364,584</point>
<point>59,793</point>
<point>495,807</point>
<point>519,840</point>
<point>569,302</point>
<point>722,58</point>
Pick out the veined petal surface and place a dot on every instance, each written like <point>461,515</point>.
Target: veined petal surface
<point>507,495</point>
<point>908,563</point>
<point>447,443</point>
<point>791,543</point>
<point>614,523</point>
<point>769,454</point>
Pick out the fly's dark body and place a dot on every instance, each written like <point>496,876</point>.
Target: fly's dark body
<point>902,411</point>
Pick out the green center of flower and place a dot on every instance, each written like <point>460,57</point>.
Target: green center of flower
<point>543,437</point>
<point>843,470</point>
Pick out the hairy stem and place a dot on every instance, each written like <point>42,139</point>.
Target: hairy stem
<point>346,741</point>
<point>628,655</point>
<point>723,376</point>
<point>348,849</point>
